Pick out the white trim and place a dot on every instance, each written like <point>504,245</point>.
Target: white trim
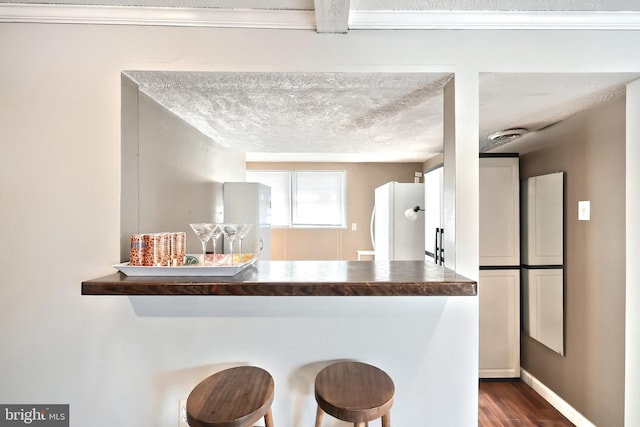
<point>499,373</point>
<point>632,210</point>
<point>170,16</point>
<point>493,20</point>
<point>556,401</point>
<point>306,20</point>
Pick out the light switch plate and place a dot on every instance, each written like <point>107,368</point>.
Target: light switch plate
<point>584,210</point>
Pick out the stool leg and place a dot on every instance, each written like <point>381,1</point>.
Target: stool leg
<point>386,420</point>
<point>319,415</point>
<point>268,419</point>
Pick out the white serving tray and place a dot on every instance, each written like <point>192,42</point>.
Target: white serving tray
<point>184,270</point>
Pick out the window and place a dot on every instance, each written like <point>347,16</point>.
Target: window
<point>305,198</point>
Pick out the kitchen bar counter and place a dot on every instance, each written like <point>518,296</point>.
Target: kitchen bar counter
<point>300,278</point>
<point>415,320</point>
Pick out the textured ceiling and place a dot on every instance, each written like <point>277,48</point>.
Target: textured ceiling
<point>363,116</point>
<point>357,117</point>
<point>308,113</point>
<point>538,100</point>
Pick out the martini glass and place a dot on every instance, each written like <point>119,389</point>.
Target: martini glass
<point>230,232</point>
<point>217,232</point>
<point>204,231</point>
<point>242,233</point>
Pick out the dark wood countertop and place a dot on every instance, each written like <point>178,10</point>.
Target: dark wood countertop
<point>300,278</point>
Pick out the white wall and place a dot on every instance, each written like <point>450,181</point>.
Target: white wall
<point>172,175</point>
<point>60,198</point>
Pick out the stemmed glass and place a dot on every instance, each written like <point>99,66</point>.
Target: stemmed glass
<point>204,231</point>
<point>242,233</point>
<point>231,232</point>
<point>217,232</point>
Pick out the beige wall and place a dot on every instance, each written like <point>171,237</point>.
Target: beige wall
<point>334,243</point>
<point>433,162</point>
<point>590,148</point>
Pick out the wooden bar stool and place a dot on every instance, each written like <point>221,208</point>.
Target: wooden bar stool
<point>354,392</point>
<point>236,397</point>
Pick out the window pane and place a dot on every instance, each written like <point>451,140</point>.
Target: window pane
<point>318,198</point>
<point>280,194</point>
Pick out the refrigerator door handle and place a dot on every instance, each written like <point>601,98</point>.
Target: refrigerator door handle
<point>436,251</point>
<point>442,246</point>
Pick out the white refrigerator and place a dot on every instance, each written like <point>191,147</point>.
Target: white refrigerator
<point>250,203</point>
<point>397,237</point>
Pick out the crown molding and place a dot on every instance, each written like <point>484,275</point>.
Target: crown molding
<point>158,16</point>
<point>493,20</point>
<point>306,20</point>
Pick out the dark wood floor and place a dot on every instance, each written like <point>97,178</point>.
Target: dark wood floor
<point>514,403</point>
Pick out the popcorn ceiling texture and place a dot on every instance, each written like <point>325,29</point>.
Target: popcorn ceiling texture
<point>537,100</point>
<point>387,116</point>
<point>390,117</point>
<point>306,112</point>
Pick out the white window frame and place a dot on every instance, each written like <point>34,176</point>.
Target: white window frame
<point>293,197</point>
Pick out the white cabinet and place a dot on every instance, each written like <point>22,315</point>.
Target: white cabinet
<point>542,259</point>
<point>542,307</point>
<point>543,217</point>
<point>499,284</point>
<point>499,297</point>
<point>499,212</point>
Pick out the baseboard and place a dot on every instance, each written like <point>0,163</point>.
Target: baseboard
<point>556,401</point>
<point>499,373</point>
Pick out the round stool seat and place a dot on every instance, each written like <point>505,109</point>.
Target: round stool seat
<point>354,392</point>
<point>236,397</point>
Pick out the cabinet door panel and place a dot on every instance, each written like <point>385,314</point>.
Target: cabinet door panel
<point>499,299</point>
<point>499,212</point>
<point>543,217</point>
<point>542,305</point>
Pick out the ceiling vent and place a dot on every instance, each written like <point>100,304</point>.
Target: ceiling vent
<point>508,135</point>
